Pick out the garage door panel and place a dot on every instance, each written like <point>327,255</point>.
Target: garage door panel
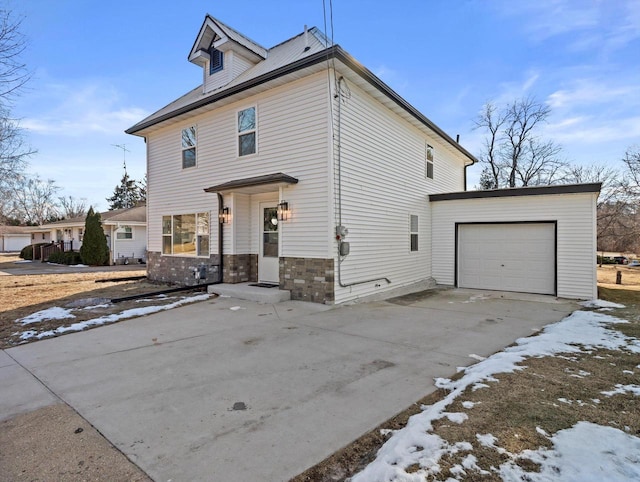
<point>507,257</point>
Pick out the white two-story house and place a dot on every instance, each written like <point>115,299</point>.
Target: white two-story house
<point>295,165</point>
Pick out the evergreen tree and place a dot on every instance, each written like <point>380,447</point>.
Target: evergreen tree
<point>126,194</point>
<point>94,250</point>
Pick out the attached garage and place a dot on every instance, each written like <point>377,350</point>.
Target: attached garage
<point>14,238</point>
<point>533,240</point>
<point>507,257</point>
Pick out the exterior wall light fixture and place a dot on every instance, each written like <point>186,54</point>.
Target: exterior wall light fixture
<point>284,211</point>
<point>224,215</point>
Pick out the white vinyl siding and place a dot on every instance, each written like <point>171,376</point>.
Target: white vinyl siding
<point>292,138</point>
<point>383,182</point>
<point>130,248</point>
<point>576,234</point>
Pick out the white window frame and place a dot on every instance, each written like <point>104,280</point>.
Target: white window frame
<point>428,161</point>
<point>198,234</point>
<point>124,238</point>
<point>414,231</point>
<point>184,148</point>
<point>253,131</point>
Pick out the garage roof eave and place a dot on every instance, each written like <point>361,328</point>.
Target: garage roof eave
<point>519,191</point>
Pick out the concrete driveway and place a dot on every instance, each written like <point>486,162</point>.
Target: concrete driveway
<point>235,390</point>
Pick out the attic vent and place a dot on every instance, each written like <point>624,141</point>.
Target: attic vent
<point>215,64</point>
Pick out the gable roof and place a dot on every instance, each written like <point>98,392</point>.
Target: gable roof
<point>14,230</point>
<point>213,30</point>
<point>309,51</point>
<point>134,215</point>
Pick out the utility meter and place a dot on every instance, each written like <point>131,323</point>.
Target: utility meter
<point>341,232</point>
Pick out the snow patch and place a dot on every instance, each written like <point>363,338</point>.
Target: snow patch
<point>601,304</point>
<point>55,313</point>
<point>610,454</point>
<point>622,389</point>
<point>131,313</point>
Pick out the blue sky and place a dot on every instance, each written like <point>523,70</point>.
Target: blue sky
<point>99,67</point>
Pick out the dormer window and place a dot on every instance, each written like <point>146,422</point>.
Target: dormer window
<point>216,60</point>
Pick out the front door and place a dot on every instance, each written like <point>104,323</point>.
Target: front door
<point>268,262</point>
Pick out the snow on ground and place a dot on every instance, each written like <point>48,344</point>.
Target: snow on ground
<point>57,313</point>
<point>601,304</point>
<point>610,454</point>
<point>615,453</point>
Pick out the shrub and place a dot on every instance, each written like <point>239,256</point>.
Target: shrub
<point>56,257</point>
<point>94,250</point>
<point>72,257</point>
<point>27,251</point>
<point>68,257</point>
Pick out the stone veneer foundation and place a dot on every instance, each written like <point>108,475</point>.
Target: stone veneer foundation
<point>308,279</point>
<point>180,269</point>
<point>239,268</point>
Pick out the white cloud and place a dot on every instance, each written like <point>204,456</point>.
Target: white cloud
<point>78,110</point>
<point>600,25</point>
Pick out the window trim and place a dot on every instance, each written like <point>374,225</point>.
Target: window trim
<point>428,161</point>
<point>118,233</point>
<point>413,233</point>
<point>196,236</point>
<point>253,131</point>
<point>194,147</point>
<point>217,66</point>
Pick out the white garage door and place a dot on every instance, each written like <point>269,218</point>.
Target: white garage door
<point>16,243</point>
<point>507,257</point>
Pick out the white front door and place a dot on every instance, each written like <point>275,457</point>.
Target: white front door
<point>268,260</point>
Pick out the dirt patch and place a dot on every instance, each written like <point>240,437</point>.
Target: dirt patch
<point>548,395</point>
<point>24,295</point>
<point>55,443</point>
<point>630,277</point>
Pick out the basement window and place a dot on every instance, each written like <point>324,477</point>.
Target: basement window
<point>413,232</point>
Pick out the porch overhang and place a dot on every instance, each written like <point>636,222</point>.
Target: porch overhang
<point>254,185</point>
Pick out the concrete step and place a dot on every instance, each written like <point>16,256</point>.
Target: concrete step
<point>244,291</point>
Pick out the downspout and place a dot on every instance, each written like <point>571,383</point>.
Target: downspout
<point>339,163</point>
<point>220,224</point>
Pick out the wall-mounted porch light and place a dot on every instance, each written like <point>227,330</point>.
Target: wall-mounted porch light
<point>224,215</point>
<point>284,212</point>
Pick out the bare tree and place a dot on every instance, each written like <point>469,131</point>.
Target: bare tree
<point>71,207</point>
<point>14,152</point>
<point>34,200</point>
<point>513,153</point>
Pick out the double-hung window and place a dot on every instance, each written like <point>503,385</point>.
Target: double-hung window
<point>413,232</point>
<point>189,141</point>
<point>247,131</point>
<point>429,162</point>
<point>186,234</point>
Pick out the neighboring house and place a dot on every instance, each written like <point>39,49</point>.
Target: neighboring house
<point>14,238</point>
<point>125,229</point>
<point>297,166</point>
